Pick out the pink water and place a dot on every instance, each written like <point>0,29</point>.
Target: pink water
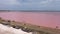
<point>48,19</point>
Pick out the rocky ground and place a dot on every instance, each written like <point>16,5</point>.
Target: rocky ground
<point>9,30</point>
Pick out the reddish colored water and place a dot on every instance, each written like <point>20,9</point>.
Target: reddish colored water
<point>48,19</point>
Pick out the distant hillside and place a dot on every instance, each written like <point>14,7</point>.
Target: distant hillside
<point>28,11</point>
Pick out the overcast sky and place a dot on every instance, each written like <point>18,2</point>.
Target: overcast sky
<point>29,4</point>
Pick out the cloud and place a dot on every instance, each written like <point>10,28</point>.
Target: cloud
<point>9,2</point>
<point>29,4</point>
<point>46,2</point>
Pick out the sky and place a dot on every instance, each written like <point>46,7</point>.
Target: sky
<point>29,4</point>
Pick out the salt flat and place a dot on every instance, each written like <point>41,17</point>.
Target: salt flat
<point>9,30</point>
